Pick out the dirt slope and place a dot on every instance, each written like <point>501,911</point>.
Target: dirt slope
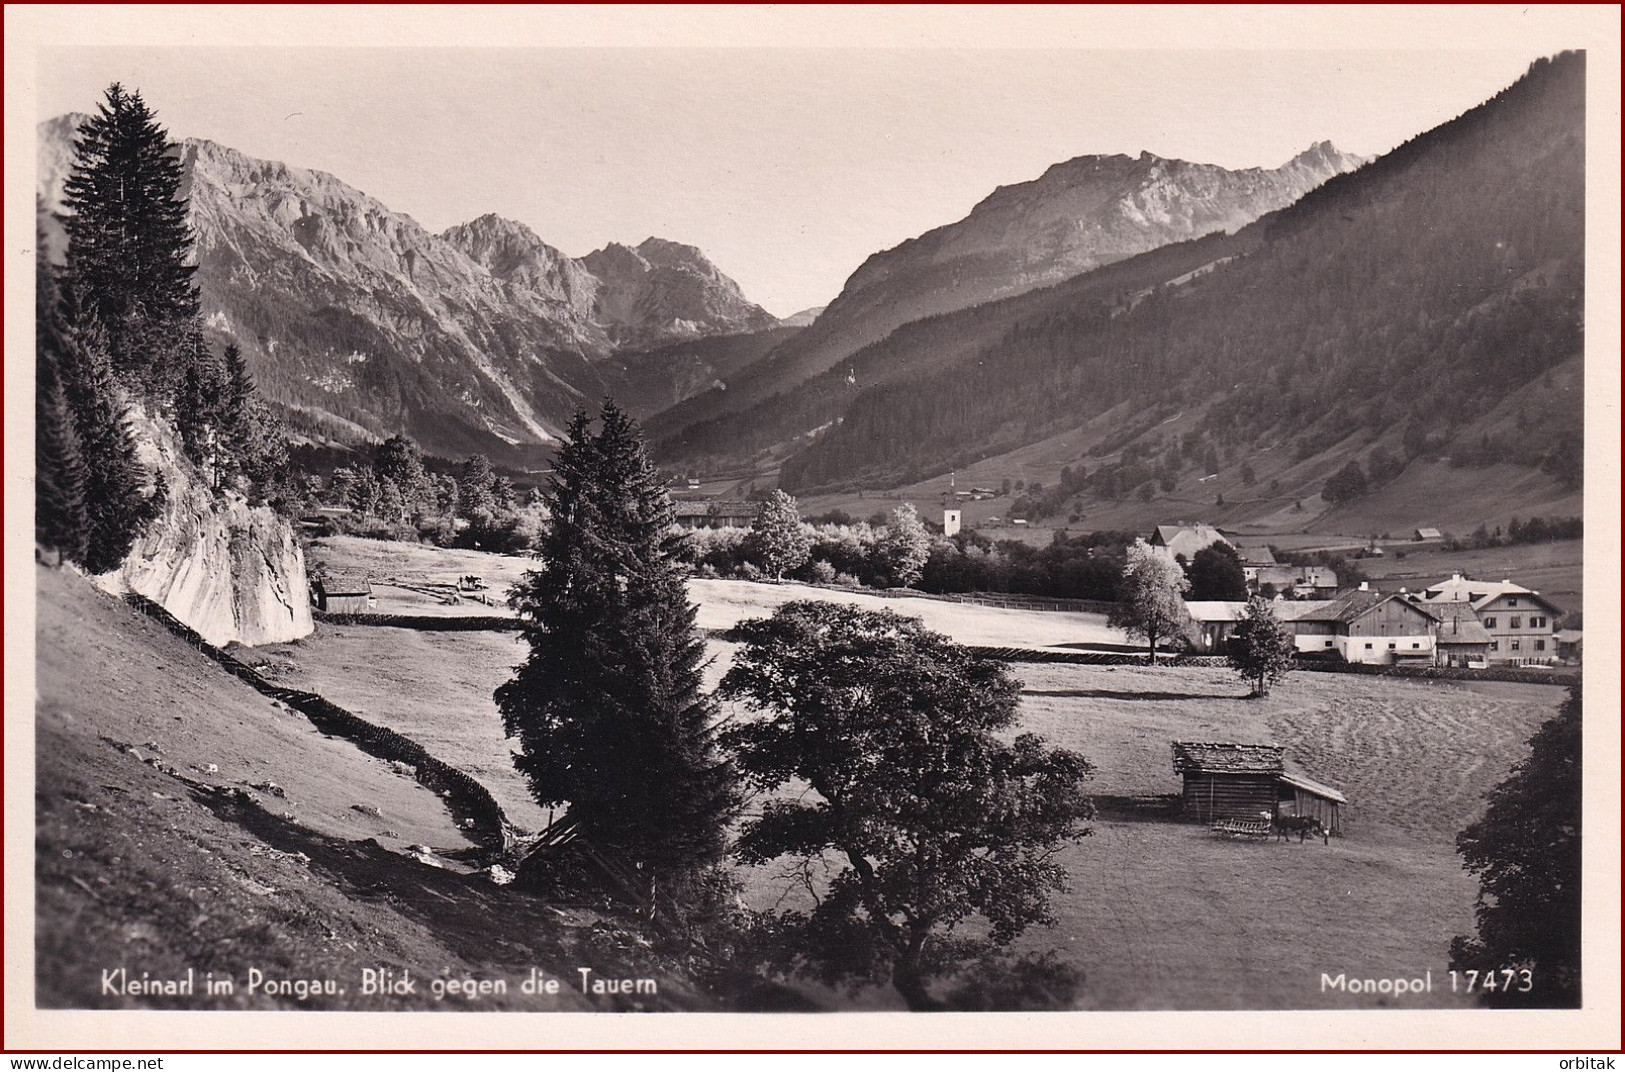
<point>148,859</point>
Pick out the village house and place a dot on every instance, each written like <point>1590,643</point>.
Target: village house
<point>1248,781</point>
<point>1183,541</point>
<point>1462,639</point>
<point>1214,623</point>
<point>1522,624</point>
<point>716,513</point>
<point>1299,582</point>
<point>1363,626</point>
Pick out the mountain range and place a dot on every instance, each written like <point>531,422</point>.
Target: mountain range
<point>1127,318</point>
<point>1420,317</point>
<point>362,323</point>
<point>1079,215</point>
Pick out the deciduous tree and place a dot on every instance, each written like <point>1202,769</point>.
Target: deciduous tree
<point>1216,573</point>
<point>1526,854</point>
<point>914,784</point>
<point>1150,601</point>
<point>905,546</point>
<point>778,540</point>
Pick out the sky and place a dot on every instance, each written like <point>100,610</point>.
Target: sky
<point>788,166</point>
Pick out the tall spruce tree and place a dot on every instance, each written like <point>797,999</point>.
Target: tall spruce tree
<point>608,705</point>
<point>129,241</point>
<point>115,508</point>
<point>60,522</point>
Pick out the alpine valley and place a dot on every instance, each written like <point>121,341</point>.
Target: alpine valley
<point>1151,326</point>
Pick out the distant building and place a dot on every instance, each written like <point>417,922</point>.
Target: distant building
<point>1568,645</point>
<point>342,593</point>
<point>1183,541</point>
<point>1364,626</point>
<point>950,522</point>
<point>1522,624</point>
<point>1463,640</point>
<point>1249,781</point>
<point>1300,582</point>
<point>1426,534</point>
<point>1215,622</point>
<point>717,513</point>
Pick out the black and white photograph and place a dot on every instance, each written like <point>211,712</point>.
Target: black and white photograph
<point>814,515</point>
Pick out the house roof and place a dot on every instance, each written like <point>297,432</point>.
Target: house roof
<point>1309,785</point>
<point>1186,539</point>
<point>1480,594</point>
<point>1215,610</point>
<point>716,508</point>
<point>1223,758</point>
<point>1458,624</point>
<point>1350,605</point>
<point>1294,610</point>
<point>345,583</point>
<point>1429,534</point>
<point>1568,636</point>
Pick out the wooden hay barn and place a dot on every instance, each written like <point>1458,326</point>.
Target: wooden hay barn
<point>343,593</point>
<point>1248,781</point>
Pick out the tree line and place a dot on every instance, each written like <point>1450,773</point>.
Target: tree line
<point>119,332</point>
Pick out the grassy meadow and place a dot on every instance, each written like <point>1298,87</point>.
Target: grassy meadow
<point>1159,914</point>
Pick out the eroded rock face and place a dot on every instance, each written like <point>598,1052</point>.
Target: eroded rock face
<point>231,571</point>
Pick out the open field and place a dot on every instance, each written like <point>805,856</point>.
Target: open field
<point>1160,914</point>
<point>722,603</point>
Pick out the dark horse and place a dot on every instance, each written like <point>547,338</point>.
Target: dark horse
<point>1304,826</point>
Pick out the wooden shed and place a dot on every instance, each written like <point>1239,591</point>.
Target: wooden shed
<point>1306,797</point>
<point>1228,781</point>
<point>1249,781</point>
<point>343,593</point>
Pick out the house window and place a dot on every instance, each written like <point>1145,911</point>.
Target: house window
<point>1514,645</point>
<point>1537,622</point>
<point>1540,645</point>
<point>1517,623</point>
<point>1495,645</point>
<point>1489,623</point>
<point>1392,645</point>
<point>1416,644</point>
<point>1368,647</point>
<point>1328,643</point>
<point>1512,601</point>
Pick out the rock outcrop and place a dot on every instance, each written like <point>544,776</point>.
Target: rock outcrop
<point>231,571</point>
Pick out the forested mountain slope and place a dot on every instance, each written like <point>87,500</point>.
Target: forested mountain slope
<point>1402,303</point>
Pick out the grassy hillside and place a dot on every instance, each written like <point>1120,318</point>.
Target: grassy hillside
<point>154,853</point>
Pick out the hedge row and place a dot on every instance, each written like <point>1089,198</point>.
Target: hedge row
<point>1447,673</point>
<point>460,623</point>
<point>465,798</point>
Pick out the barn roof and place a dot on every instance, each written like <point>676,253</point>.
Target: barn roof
<point>1215,610</point>
<point>1351,605</point>
<point>1458,624</point>
<point>346,583</point>
<point>1309,785</point>
<point>1224,758</point>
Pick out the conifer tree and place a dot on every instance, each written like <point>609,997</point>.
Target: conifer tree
<point>129,241</point>
<point>115,508</point>
<point>608,705</point>
<point>60,522</point>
